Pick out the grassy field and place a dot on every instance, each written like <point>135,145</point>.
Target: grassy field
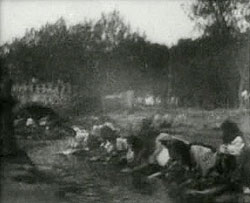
<point>191,124</point>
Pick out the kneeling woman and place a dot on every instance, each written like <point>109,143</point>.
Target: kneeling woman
<point>147,159</point>
<point>234,146</point>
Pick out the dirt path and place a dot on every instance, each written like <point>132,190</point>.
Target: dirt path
<point>74,179</point>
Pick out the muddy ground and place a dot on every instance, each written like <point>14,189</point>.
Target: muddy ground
<point>71,178</point>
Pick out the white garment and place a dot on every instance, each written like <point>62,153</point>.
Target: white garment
<point>149,101</point>
<point>130,155</point>
<point>81,138</point>
<point>245,95</point>
<point>163,157</point>
<point>96,131</point>
<point>109,147</point>
<point>30,122</point>
<point>234,148</point>
<point>121,144</point>
<point>161,136</point>
<point>204,158</point>
<point>110,125</point>
<point>81,135</point>
<point>246,190</point>
<point>161,154</point>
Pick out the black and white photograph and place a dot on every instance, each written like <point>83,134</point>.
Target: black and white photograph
<point>125,101</point>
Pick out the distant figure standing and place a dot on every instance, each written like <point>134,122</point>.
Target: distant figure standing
<point>245,97</point>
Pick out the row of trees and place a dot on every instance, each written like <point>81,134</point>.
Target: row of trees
<point>105,56</point>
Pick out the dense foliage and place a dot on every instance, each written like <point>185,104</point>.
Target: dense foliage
<point>105,56</point>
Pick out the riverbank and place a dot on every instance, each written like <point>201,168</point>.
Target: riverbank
<point>53,177</point>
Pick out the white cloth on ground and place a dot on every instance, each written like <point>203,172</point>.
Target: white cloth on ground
<point>121,144</point>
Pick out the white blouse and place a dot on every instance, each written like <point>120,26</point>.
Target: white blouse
<point>233,148</point>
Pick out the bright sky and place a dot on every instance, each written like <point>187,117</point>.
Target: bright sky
<point>163,21</point>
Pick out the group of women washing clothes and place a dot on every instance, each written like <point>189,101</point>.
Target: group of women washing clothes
<point>188,164</point>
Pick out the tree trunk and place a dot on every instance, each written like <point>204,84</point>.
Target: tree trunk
<point>8,142</point>
<point>242,63</point>
<point>240,90</point>
<point>243,80</point>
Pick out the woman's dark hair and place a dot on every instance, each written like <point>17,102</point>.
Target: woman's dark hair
<point>178,150</point>
<point>230,131</point>
<point>136,143</point>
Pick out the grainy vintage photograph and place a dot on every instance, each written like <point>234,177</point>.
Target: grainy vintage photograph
<point>125,101</point>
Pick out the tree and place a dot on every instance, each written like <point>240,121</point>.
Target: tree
<point>221,18</point>
<point>98,57</point>
<point>225,21</point>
